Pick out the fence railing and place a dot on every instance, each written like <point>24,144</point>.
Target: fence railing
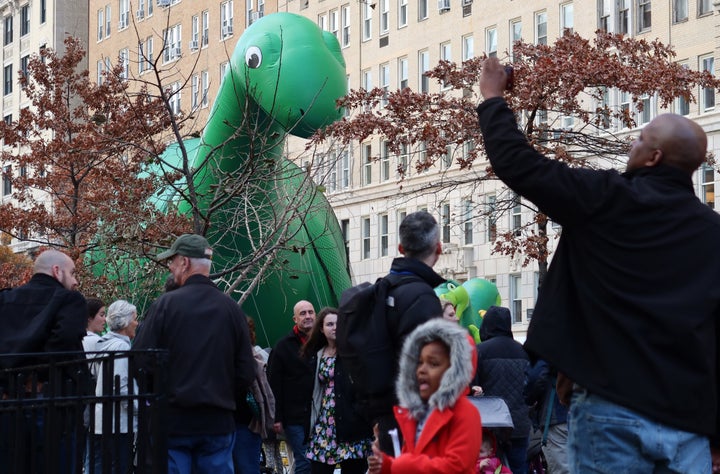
<point>97,413</point>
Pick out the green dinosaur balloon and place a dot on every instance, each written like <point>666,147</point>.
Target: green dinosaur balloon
<point>470,299</point>
<point>285,77</point>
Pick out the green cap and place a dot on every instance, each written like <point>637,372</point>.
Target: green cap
<point>188,245</point>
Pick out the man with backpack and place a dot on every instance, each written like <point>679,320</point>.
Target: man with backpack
<point>409,301</point>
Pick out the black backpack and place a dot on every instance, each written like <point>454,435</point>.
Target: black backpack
<point>365,345</point>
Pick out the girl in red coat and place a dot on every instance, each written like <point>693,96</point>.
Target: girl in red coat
<point>440,427</point>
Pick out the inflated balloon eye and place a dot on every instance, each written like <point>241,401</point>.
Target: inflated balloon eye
<point>253,57</point>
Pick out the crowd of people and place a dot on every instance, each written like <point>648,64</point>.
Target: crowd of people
<point>624,332</point>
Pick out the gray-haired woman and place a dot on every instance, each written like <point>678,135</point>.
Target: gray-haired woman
<point>122,321</point>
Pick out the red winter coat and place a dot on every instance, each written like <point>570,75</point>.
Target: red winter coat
<point>449,442</point>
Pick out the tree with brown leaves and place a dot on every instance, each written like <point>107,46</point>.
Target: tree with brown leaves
<point>76,161</point>
<point>554,85</point>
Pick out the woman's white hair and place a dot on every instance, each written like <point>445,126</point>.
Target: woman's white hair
<point>119,314</point>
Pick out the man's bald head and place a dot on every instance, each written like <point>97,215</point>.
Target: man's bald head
<point>57,265</point>
<point>670,139</point>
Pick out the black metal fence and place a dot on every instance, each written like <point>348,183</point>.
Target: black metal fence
<point>97,413</point>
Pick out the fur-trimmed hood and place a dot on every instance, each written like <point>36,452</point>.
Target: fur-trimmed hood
<point>456,379</point>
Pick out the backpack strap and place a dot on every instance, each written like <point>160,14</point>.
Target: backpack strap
<point>548,413</point>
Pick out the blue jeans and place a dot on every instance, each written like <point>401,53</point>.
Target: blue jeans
<point>201,454</point>
<point>604,437</point>
<point>295,437</point>
<point>516,453</point>
<point>246,453</point>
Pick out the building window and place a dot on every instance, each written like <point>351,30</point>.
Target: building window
<point>384,235</point>
<point>8,32</point>
<point>345,230</point>
<point>173,43</point>
<point>367,163</point>
<point>682,106</point>
<point>707,63</point>
<point>384,161</point>
<point>195,91</point>
<point>704,7</point>
<point>467,222</point>
<point>515,299</point>
<point>123,57</point>
<point>402,73</point>
<point>100,75</point>
<point>24,20</point>
<point>224,66</point>
<point>195,33</point>
<point>149,60</point>
<point>367,20</point>
<point>140,9</point>
<point>226,19</point>
<point>100,23</point>
<point>516,214</point>
<point>515,35</point>
<point>322,22</point>
<point>647,113</point>
<point>384,16</point>
<point>402,166</point>
<point>491,213</point>
<point>680,10</point>
<point>7,180</point>
<point>174,99</point>
<point>423,67</point>
<point>491,42</point>
<point>124,14</point>
<point>402,13</point>
<point>205,101</point>
<point>445,222</point>
<point>707,185</point>
<point>205,28</point>
<point>422,9</point>
<point>385,82</point>
<point>468,47</point>
<point>334,28</point>
<point>8,79</point>
<point>24,63</point>
<point>345,26</point>
<point>644,15</point>
<point>366,238</point>
<point>108,19</point>
<point>43,11</point>
<point>566,19</point>
<point>623,17</point>
<point>345,169</point>
<point>604,15</point>
<point>541,28</point>
<point>367,82</point>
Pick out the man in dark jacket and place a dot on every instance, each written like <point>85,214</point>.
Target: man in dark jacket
<point>502,371</point>
<point>211,364</point>
<point>412,302</point>
<point>630,307</point>
<point>44,315</point>
<point>291,379</point>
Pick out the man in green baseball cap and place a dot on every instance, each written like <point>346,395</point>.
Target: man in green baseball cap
<point>206,335</point>
<point>188,245</point>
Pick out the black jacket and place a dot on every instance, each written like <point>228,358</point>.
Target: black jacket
<point>502,367</point>
<point>415,303</point>
<point>631,303</point>
<point>40,316</point>
<point>291,380</point>
<point>210,363</point>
